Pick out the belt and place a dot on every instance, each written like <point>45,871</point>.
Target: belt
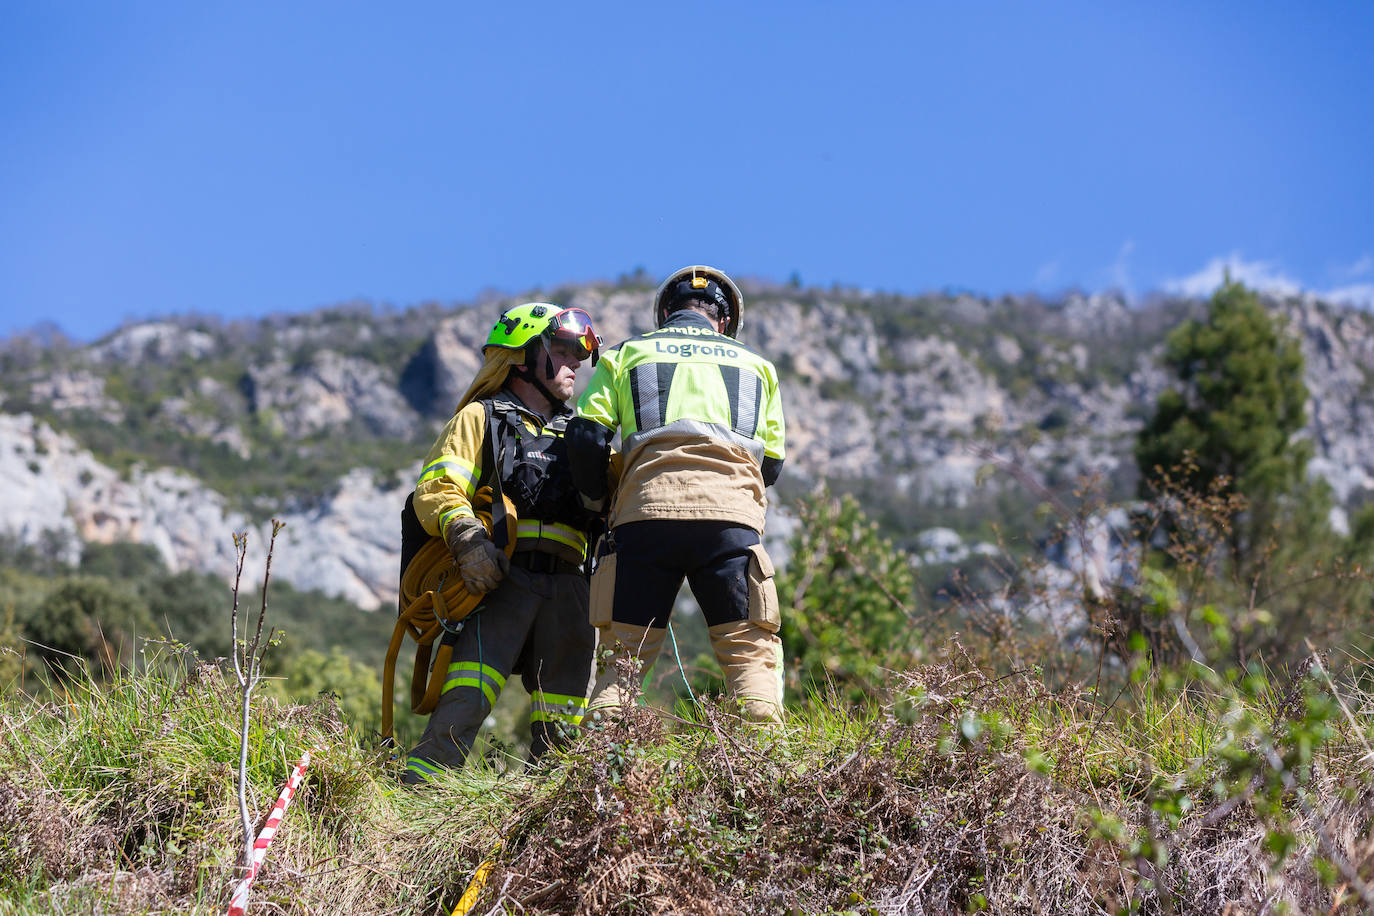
<point>537,561</point>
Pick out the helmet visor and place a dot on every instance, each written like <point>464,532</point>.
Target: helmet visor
<point>575,326</point>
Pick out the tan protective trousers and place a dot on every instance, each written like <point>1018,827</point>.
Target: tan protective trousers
<point>748,655</point>
<point>731,576</point>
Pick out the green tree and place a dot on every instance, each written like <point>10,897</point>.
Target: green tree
<point>12,655</point>
<point>125,560</point>
<point>845,595</point>
<point>1222,461</point>
<point>191,607</point>
<point>355,686</point>
<point>88,618</point>
<point>1229,425</point>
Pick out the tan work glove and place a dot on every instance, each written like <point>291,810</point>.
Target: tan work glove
<point>483,567</point>
<point>480,562</point>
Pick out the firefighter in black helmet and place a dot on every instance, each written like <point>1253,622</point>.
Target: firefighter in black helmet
<point>701,421</point>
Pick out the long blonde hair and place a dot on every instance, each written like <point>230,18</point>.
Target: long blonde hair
<point>491,378</point>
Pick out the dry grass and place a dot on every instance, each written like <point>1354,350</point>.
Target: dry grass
<point>902,811</point>
<point>963,793</point>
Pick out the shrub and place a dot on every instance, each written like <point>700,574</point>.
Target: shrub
<point>845,599</point>
<point>88,619</point>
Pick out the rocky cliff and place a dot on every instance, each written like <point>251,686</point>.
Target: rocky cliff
<point>177,433</point>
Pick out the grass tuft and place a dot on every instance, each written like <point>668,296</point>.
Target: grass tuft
<point>961,791</point>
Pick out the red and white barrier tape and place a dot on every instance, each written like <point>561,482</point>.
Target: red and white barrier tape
<point>240,899</point>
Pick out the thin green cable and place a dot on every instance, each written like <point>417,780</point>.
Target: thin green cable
<point>672,637</point>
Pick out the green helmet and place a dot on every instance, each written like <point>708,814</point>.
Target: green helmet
<point>521,325</point>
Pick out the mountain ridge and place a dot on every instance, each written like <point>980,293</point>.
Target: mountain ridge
<point>175,432</point>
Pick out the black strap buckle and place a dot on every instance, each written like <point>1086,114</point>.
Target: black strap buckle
<point>537,561</point>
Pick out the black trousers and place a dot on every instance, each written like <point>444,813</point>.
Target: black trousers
<point>653,557</point>
<point>534,623</point>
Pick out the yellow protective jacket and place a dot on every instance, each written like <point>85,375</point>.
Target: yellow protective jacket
<point>700,416</point>
<point>455,469</point>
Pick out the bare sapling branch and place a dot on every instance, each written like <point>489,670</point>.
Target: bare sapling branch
<point>248,658</point>
<point>240,551</point>
<point>253,652</point>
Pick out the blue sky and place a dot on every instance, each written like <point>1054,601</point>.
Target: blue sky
<point>241,159</point>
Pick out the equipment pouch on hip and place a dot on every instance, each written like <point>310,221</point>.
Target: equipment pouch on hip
<point>602,598</point>
<point>763,591</point>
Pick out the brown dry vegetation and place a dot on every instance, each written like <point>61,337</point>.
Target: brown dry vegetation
<point>931,781</point>
<point>963,792</point>
<point>907,811</point>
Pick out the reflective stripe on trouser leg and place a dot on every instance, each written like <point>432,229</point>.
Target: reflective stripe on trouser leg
<point>751,659</point>
<point>554,720</point>
<point>556,707</point>
<point>470,692</point>
<point>557,660</point>
<point>418,770</point>
<point>475,674</point>
<point>629,641</point>
<point>485,652</point>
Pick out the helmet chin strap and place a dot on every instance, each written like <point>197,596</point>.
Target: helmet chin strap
<point>527,373</point>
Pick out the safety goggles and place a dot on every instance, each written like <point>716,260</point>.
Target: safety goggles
<point>575,325</point>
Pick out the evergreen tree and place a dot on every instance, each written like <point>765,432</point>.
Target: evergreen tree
<point>1231,421</point>
<point>1229,430</point>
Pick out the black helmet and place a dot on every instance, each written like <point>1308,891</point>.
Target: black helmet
<point>704,284</point>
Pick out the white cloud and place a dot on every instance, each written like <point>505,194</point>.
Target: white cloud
<point>1261,275</point>
<point>1269,277</point>
<point>1047,273</point>
<point>1119,273</point>
<point>1362,265</point>
<point>1359,294</point>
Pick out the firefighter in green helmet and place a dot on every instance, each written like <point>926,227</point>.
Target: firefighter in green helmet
<point>508,430</point>
<point>700,416</point>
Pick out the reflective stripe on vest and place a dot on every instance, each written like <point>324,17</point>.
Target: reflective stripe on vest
<point>649,386</point>
<point>745,391</point>
<point>528,529</point>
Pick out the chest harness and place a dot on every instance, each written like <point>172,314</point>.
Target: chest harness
<point>531,468</point>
